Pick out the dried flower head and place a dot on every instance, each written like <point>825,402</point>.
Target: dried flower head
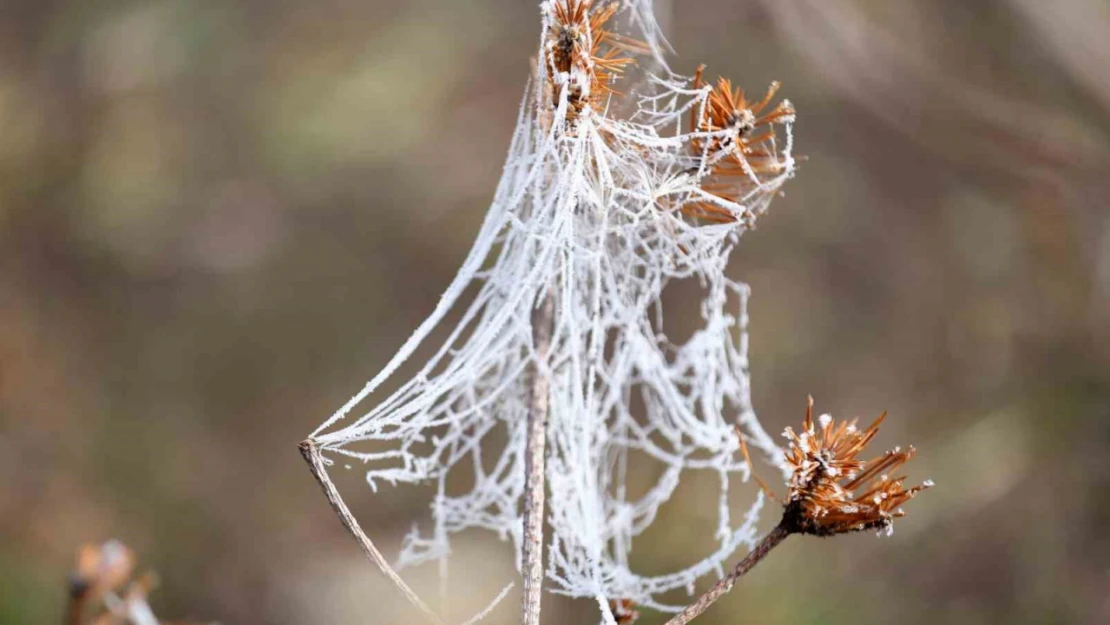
<point>582,54</point>
<point>101,568</point>
<point>727,109</point>
<point>103,591</point>
<point>832,491</point>
<point>624,611</point>
<point>739,140</point>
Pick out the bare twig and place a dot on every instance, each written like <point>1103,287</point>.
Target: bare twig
<point>489,608</point>
<point>311,454</point>
<point>534,485</point>
<point>769,542</point>
<point>75,609</point>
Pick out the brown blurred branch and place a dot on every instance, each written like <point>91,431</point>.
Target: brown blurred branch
<point>311,453</point>
<point>78,593</point>
<point>531,566</point>
<point>103,590</point>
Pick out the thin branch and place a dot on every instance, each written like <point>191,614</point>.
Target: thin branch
<point>769,542</point>
<point>311,453</point>
<point>75,608</point>
<point>489,608</point>
<point>534,485</point>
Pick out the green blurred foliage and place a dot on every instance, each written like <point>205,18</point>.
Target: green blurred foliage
<point>217,218</point>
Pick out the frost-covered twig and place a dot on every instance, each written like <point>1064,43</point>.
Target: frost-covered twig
<point>319,470</point>
<point>535,484</point>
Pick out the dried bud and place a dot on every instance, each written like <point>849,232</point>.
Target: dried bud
<point>741,148</point>
<point>832,491</point>
<point>624,611</point>
<point>103,591</point>
<point>101,568</point>
<point>582,55</point>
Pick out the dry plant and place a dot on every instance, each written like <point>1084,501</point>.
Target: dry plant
<point>558,373</point>
<point>104,591</point>
<point>831,492</point>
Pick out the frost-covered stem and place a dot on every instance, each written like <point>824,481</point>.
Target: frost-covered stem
<point>311,453</point>
<point>531,568</point>
<point>769,542</point>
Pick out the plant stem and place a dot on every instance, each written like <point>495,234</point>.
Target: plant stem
<point>531,568</point>
<point>78,593</point>
<point>769,542</point>
<point>315,461</point>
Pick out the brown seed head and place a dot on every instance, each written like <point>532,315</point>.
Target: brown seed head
<point>624,610</point>
<point>728,109</point>
<point>102,568</point>
<point>832,491</point>
<point>581,51</point>
<point>744,156</point>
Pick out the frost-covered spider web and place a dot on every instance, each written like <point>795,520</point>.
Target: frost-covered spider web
<point>588,213</point>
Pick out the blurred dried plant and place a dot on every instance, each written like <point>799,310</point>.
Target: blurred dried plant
<point>872,65</point>
<point>624,611</point>
<point>103,591</point>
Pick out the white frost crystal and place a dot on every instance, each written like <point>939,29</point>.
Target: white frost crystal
<point>590,214</point>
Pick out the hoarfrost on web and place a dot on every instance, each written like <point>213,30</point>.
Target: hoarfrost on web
<point>592,211</point>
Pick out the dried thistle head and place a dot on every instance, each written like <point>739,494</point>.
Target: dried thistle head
<point>582,54</point>
<point>832,491</point>
<point>103,590</point>
<point>747,127</point>
<point>741,150</point>
<point>101,568</point>
<point>624,611</point>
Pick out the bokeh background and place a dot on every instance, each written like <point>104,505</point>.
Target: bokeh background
<point>219,217</point>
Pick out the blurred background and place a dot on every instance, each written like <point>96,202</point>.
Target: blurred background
<point>218,218</point>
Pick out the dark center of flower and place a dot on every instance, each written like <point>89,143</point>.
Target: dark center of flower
<point>569,37</point>
<point>742,121</point>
